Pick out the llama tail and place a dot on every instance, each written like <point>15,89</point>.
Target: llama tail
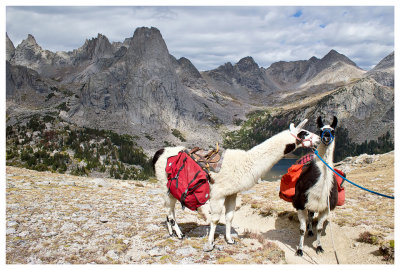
<point>156,157</point>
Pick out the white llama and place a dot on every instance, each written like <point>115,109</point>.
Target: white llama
<point>314,185</point>
<point>240,171</point>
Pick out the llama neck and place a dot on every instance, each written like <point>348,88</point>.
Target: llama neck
<point>318,193</point>
<point>268,153</point>
<point>326,152</point>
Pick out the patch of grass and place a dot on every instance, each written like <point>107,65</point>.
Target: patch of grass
<point>153,180</point>
<point>226,260</point>
<point>255,236</point>
<point>273,253</point>
<point>387,250</point>
<point>165,259</point>
<point>369,238</point>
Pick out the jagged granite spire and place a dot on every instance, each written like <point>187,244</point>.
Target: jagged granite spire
<point>10,49</point>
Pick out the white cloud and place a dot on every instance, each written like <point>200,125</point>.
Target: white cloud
<point>211,36</point>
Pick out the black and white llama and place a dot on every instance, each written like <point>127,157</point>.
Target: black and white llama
<point>316,188</point>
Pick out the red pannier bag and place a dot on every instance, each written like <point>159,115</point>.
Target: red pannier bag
<point>340,187</point>
<point>288,183</point>
<point>187,181</point>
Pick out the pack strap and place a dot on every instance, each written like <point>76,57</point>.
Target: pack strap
<point>184,194</point>
<point>179,171</point>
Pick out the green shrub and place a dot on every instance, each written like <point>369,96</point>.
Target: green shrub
<point>87,144</point>
<point>178,134</point>
<point>35,124</point>
<point>49,96</point>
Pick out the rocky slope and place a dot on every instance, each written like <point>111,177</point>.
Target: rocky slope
<point>363,103</point>
<point>63,219</point>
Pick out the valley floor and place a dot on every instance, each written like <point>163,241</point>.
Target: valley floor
<point>57,218</point>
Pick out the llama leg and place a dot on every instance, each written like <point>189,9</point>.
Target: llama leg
<point>169,203</point>
<point>302,214</point>
<point>322,216</point>
<point>309,223</point>
<point>230,204</point>
<point>171,220</point>
<point>216,210</point>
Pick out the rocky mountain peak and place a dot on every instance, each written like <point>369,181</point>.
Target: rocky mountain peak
<point>96,48</point>
<point>333,56</point>
<point>31,40</point>
<point>247,64</point>
<point>147,35</point>
<point>187,66</point>
<point>10,49</point>
<point>28,53</point>
<point>148,43</point>
<point>383,72</point>
<point>29,43</point>
<point>385,63</point>
<point>313,59</point>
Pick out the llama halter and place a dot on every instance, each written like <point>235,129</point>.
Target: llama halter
<point>331,136</point>
<point>305,140</point>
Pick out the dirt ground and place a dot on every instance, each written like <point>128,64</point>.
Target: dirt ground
<point>63,219</point>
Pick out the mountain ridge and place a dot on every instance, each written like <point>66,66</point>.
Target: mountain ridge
<point>138,87</point>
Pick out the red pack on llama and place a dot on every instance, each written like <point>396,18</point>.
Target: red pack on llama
<point>187,181</point>
<point>288,180</point>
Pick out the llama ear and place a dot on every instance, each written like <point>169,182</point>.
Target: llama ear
<point>334,123</point>
<point>292,128</point>
<point>319,122</point>
<point>301,125</point>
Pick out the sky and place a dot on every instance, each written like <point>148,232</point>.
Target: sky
<point>210,36</point>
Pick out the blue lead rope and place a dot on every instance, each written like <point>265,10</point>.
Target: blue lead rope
<point>374,192</point>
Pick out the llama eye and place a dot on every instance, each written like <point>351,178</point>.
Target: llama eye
<point>302,134</point>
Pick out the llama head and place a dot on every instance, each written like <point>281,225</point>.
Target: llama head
<point>327,132</point>
<point>303,137</point>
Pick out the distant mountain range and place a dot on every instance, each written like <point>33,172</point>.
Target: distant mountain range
<point>137,87</point>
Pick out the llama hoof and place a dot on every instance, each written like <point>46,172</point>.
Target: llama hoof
<point>208,247</point>
<point>299,252</point>
<point>320,249</point>
<point>232,242</point>
<point>310,233</point>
